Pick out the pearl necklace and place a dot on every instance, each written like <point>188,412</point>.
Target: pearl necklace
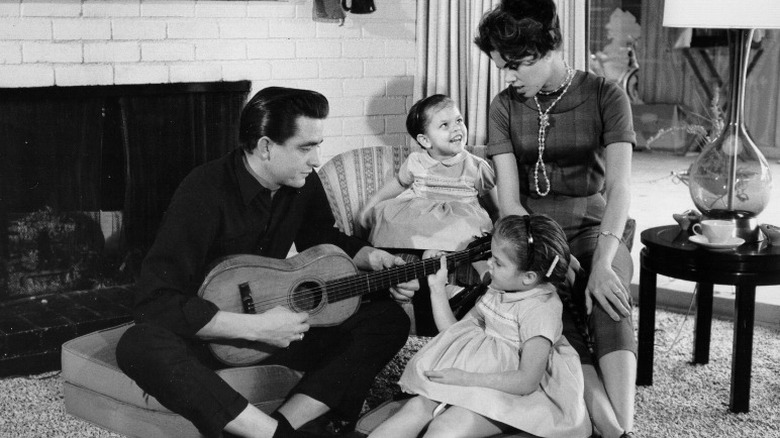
<point>544,122</point>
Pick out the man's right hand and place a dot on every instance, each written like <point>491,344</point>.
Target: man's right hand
<point>278,327</point>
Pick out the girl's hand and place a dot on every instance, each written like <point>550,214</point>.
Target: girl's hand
<point>438,280</point>
<point>449,376</point>
<point>431,253</point>
<point>364,218</point>
<point>605,286</point>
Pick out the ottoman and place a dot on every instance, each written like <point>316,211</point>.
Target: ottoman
<point>97,391</point>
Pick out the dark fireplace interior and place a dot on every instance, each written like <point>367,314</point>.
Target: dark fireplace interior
<point>87,172</point>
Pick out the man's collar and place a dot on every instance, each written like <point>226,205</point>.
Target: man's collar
<point>248,185</point>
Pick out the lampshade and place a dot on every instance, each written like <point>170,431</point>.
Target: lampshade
<point>722,14</point>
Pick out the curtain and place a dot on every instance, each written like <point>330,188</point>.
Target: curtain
<point>448,61</point>
<point>50,152</point>
<point>165,137</point>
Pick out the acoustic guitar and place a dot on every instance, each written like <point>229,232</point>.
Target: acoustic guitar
<point>322,280</point>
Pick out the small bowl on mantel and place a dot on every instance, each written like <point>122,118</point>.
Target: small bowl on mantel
<point>772,233</point>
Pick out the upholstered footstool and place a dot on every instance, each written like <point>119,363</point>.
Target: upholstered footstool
<point>97,391</point>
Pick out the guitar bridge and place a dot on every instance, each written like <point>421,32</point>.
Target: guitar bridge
<point>247,303</point>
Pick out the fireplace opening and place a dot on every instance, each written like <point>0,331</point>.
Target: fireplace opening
<point>87,172</point>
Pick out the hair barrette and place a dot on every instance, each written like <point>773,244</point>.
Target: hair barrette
<point>552,266</point>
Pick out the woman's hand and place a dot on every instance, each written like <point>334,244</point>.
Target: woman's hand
<point>449,376</point>
<point>606,287</point>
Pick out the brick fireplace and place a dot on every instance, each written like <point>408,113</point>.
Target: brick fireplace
<point>85,176</point>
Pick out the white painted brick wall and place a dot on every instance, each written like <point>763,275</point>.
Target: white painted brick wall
<point>364,67</point>
<point>51,52</point>
<point>138,29</point>
<point>111,8</point>
<point>10,53</point>
<point>83,74</point>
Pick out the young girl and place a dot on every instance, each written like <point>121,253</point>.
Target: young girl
<point>505,365</point>
<point>433,204</point>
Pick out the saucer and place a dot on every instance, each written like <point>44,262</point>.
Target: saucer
<point>733,242</point>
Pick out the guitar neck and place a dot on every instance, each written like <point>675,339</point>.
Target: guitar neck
<point>367,283</point>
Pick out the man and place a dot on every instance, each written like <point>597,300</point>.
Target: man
<point>259,199</point>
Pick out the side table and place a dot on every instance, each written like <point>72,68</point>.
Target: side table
<point>667,251</point>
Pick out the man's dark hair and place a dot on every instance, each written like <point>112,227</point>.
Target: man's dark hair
<point>518,29</point>
<point>273,112</point>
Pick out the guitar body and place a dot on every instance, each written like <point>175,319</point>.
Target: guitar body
<point>297,283</point>
<point>322,281</point>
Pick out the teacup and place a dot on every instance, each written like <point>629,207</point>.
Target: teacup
<point>714,230</point>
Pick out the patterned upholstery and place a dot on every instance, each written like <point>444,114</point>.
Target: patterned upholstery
<point>352,177</point>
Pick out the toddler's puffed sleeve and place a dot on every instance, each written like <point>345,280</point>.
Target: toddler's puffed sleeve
<point>486,177</point>
<point>405,176</point>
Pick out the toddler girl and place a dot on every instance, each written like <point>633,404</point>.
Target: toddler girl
<point>433,204</point>
<point>505,365</point>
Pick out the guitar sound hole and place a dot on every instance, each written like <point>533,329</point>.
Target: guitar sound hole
<point>307,297</point>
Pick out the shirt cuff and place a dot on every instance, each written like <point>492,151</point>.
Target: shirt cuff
<point>503,147</point>
<point>621,136</point>
<point>197,313</point>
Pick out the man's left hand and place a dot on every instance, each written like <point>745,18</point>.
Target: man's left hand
<point>372,259</point>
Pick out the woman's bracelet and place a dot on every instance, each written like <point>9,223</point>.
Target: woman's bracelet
<point>611,234</point>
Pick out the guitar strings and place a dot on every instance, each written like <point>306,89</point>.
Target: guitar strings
<point>355,285</point>
<point>354,289</point>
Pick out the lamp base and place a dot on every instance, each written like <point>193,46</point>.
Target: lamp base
<point>746,223</point>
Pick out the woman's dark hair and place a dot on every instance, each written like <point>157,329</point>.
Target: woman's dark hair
<point>518,29</point>
<point>539,239</point>
<point>273,113</point>
<point>418,116</point>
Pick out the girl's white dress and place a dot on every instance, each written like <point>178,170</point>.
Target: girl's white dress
<point>440,209</point>
<point>490,342</point>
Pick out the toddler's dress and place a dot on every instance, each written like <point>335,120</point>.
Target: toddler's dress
<point>440,208</point>
<point>490,341</point>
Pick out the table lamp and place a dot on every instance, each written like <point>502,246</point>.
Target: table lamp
<point>730,178</point>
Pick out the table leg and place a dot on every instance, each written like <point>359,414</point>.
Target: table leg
<point>647,295</point>
<point>702,330</point>
<point>742,352</point>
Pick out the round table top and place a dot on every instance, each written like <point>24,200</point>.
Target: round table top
<point>669,252</point>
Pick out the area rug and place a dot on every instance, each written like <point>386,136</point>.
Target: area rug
<point>684,401</point>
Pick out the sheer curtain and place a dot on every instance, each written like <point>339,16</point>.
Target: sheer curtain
<point>448,61</point>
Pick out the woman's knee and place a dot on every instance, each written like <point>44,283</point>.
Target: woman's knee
<point>609,335</point>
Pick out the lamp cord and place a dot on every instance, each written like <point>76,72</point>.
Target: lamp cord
<point>682,324</point>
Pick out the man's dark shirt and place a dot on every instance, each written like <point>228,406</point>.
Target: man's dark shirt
<point>219,210</point>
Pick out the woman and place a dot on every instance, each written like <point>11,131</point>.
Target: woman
<point>561,143</point>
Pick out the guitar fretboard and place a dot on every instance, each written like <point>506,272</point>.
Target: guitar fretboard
<point>361,284</point>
